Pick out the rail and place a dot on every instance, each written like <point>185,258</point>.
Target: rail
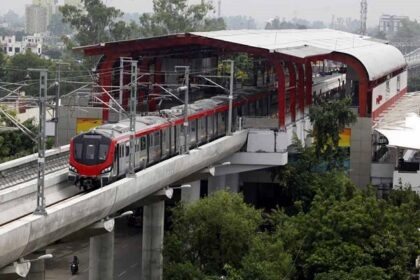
<point>25,169</point>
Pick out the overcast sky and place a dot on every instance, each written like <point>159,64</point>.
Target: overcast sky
<point>266,9</point>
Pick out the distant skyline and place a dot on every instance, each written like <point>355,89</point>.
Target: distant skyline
<point>307,9</point>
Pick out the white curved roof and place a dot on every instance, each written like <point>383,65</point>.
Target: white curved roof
<point>378,58</point>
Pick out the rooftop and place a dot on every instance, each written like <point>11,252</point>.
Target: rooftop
<point>378,58</point>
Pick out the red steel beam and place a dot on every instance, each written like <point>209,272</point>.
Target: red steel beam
<point>301,87</point>
<point>292,90</point>
<point>281,91</point>
<point>308,83</point>
<point>363,79</point>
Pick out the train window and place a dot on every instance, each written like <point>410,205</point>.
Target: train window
<point>143,143</point>
<point>103,151</point>
<point>78,150</point>
<point>127,148</point>
<point>90,152</point>
<point>156,139</point>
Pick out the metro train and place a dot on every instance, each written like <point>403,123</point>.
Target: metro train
<point>101,156</point>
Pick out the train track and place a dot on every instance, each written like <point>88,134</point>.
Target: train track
<point>28,170</point>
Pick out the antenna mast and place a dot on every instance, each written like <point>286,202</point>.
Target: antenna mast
<point>363,17</point>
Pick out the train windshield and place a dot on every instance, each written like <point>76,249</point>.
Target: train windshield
<point>91,149</point>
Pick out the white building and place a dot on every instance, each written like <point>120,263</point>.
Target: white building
<point>390,24</point>
<point>11,47</point>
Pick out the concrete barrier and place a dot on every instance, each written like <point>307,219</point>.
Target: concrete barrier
<point>20,200</point>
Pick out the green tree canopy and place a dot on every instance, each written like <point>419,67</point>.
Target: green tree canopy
<point>96,22</point>
<point>16,70</point>
<point>210,234</point>
<point>329,118</point>
<point>175,16</point>
<point>350,234</point>
<point>15,144</point>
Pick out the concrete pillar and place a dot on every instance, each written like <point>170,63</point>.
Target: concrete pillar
<point>232,182</point>
<point>37,271</point>
<point>190,195</point>
<point>153,227</point>
<point>216,183</point>
<point>101,257</point>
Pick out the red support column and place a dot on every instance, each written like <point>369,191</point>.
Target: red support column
<point>281,91</point>
<point>105,80</point>
<point>363,79</point>
<point>301,88</point>
<point>308,83</point>
<point>291,91</point>
<point>363,97</point>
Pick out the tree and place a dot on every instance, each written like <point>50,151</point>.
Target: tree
<point>215,232</point>
<point>175,16</point>
<point>276,23</point>
<point>2,65</point>
<point>57,27</point>
<point>350,234</point>
<point>14,143</point>
<point>240,22</point>
<point>329,118</point>
<point>96,22</point>
<point>16,70</point>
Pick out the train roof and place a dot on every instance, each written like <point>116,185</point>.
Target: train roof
<point>144,122</point>
<point>123,127</point>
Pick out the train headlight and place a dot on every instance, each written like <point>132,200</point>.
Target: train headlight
<point>72,169</point>
<point>106,170</point>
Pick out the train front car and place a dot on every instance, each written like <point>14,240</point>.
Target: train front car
<point>91,160</point>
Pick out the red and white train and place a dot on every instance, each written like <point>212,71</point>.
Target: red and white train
<point>101,155</point>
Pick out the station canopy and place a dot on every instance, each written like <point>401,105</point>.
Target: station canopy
<point>378,58</point>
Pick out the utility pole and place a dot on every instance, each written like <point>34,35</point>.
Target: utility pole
<point>120,97</point>
<point>133,113</point>
<point>232,70</point>
<point>40,201</point>
<point>186,90</point>
<point>57,102</point>
<point>363,17</point>
<point>123,60</point>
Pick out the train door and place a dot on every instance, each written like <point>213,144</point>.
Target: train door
<point>193,132</point>
<point>172,140</point>
<point>143,152</point>
<point>127,155</point>
<point>204,129</point>
<point>179,132</point>
<point>122,159</point>
<point>116,160</point>
<point>165,142</point>
<point>210,124</point>
<point>221,125</point>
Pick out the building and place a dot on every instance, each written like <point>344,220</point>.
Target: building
<point>49,4</point>
<point>73,2</point>
<point>11,47</point>
<point>375,77</point>
<point>390,24</point>
<point>36,19</point>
